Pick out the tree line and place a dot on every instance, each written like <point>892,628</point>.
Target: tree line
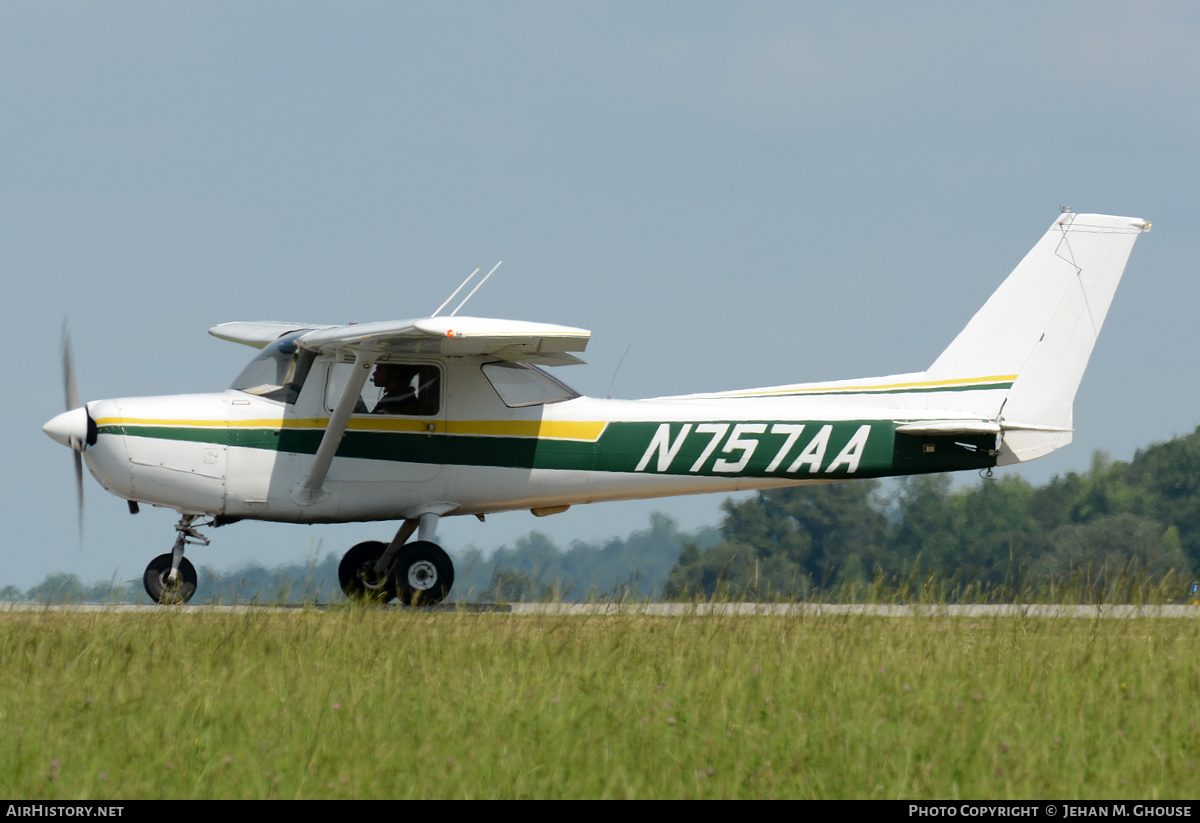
<point>534,568</point>
<point>1118,523</point>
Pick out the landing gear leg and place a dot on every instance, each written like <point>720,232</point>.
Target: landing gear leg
<point>389,554</point>
<point>170,579</point>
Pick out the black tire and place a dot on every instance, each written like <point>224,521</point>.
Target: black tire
<point>424,574</point>
<point>162,592</point>
<point>356,574</point>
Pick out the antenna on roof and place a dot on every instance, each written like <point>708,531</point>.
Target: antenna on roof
<point>617,369</point>
<point>472,294</point>
<point>456,291</point>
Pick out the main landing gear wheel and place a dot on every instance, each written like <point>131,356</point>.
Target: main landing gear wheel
<point>424,574</point>
<point>357,574</point>
<point>159,586</point>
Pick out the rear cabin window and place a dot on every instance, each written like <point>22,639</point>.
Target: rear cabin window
<point>520,385</point>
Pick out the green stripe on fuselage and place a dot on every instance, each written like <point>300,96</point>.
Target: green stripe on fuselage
<point>850,448</point>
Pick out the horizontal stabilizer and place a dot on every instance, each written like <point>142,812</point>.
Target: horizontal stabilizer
<point>943,427</point>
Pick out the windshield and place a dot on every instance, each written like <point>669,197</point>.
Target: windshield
<point>279,370</point>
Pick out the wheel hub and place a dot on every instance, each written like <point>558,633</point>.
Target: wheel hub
<point>369,579</point>
<point>422,575</point>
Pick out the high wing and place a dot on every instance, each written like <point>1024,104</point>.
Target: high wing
<point>539,343</point>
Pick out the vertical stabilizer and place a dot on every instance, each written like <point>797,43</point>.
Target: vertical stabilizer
<point>1040,326</point>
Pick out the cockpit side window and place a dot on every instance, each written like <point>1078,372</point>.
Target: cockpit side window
<point>412,389</point>
<point>406,388</point>
<point>279,371</point>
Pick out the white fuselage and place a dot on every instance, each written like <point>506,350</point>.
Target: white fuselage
<point>240,456</point>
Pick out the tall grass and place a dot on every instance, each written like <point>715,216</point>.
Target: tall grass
<point>368,702</point>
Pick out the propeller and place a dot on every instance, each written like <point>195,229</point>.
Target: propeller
<point>71,395</point>
<point>74,427</point>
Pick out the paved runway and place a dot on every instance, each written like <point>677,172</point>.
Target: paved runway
<point>697,609</point>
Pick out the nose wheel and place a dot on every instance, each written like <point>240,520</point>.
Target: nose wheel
<point>167,588</point>
<point>170,579</point>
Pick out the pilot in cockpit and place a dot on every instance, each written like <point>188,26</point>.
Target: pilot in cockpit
<point>404,389</point>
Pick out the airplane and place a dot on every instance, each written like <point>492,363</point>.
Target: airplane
<point>447,415</point>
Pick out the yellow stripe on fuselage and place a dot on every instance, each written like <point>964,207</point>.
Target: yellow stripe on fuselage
<point>589,430</point>
<point>148,421</point>
<point>785,391</point>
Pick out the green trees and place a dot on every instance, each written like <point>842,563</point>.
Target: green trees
<point>1117,522</point>
<point>1114,526</point>
<point>783,543</point>
<point>534,568</point>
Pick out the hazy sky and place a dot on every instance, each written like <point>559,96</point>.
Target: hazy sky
<point>745,193</point>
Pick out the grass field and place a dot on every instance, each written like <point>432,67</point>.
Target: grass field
<point>361,702</point>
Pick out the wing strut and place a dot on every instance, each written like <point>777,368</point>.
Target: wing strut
<point>312,490</point>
